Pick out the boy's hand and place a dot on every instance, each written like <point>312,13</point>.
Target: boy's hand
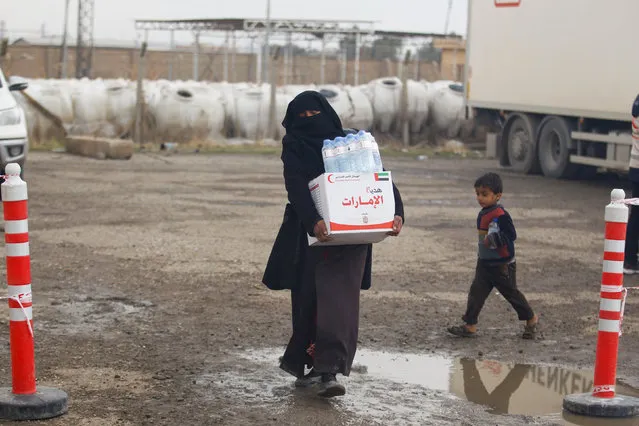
<point>321,231</point>
<point>397,226</point>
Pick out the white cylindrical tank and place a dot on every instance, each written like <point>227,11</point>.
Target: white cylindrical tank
<point>447,109</point>
<point>90,108</point>
<point>227,97</point>
<point>339,100</point>
<point>185,113</point>
<point>363,116</point>
<point>418,107</point>
<point>251,111</point>
<point>121,102</point>
<point>385,95</point>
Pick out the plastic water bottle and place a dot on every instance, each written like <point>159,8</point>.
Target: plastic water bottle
<point>377,158</point>
<point>353,153</point>
<point>493,228</point>
<point>341,154</point>
<point>328,154</point>
<point>366,156</point>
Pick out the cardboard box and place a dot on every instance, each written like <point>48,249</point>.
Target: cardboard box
<point>358,208</point>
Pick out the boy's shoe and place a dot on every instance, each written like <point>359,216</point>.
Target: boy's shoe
<point>531,332</point>
<point>630,268</point>
<point>310,379</point>
<point>329,387</point>
<point>461,331</point>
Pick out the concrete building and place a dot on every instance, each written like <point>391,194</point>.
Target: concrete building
<point>453,58</point>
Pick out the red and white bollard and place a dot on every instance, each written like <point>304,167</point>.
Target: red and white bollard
<point>16,236</point>
<point>612,294</point>
<point>603,401</point>
<point>23,401</point>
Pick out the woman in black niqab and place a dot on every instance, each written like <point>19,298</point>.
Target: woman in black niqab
<point>325,300</point>
<point>325,281</point>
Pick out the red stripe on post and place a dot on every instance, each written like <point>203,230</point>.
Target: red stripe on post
<point>15,304</point>
<point>610,315</point>
<point>24,238</point>
<point>609,255</point>
<point>15,210</point>
<point>612,296</point>
<point>608,278</point>
<point>615,231</point>
<point>606,362</point>
<point>18,270</point>
<point>22,358</point>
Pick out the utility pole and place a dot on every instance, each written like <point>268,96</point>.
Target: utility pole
<point>272,110</point>
<point>84,46</point>
<point>265,49</point>
<point>64,56</point>
<point>450,8</point>
<point>405,119</point>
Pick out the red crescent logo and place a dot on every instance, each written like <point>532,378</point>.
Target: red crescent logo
<point>328,178</point>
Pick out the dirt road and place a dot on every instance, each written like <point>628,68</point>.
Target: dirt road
<point>148,306</point>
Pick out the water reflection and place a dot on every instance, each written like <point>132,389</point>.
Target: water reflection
<point>402,388</point>
<point>521,388</point>
<point>498,400</point>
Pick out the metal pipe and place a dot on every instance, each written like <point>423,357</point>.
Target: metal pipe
<point>291,58</point>
<point>139,97</point>
<point>344,66</point>
<point>403,74</point>
<point>233,56</point>
<point>65,45</point>
<point>323,60</point>
<point>252,72</point>
<point>171,55</point>
<point>226,57</point>
<point>455,76</point>
<point>358,42</point>
<point>258,65</point>
<point>287,58</point>
<point>196,57</point>
<point>267,33</point>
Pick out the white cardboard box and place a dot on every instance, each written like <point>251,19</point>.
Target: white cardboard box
<point>358,208</point>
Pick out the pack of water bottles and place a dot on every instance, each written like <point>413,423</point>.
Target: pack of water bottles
<point>357,153</point>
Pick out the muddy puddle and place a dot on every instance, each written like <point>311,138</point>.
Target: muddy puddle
<point>89,315</point>
<point>405,388</point>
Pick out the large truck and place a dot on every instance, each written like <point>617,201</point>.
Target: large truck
<point>556,80</point>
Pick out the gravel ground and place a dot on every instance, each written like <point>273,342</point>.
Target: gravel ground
<point>148,306</point>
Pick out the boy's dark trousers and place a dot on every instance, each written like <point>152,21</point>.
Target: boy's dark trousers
<point>502,277</point>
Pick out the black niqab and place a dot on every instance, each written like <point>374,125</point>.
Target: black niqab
<point>305,135</point>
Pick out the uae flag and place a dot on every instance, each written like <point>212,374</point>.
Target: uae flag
<point>381,176</point>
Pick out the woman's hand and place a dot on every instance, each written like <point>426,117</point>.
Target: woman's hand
<point>321,232</point>
<point>397,226</point>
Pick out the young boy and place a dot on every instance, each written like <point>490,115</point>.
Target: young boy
<point>496,261</point>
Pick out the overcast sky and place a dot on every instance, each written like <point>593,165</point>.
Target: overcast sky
<point>114,18</point>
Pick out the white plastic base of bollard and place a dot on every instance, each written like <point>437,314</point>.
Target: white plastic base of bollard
<point>587,405</point>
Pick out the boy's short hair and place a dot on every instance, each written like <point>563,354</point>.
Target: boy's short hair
<point>491,181</point>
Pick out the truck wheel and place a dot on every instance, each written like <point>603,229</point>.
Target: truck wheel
<point>554,149</point>
<point>520,139</point>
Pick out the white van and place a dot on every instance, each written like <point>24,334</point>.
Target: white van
<point>14,141</point>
